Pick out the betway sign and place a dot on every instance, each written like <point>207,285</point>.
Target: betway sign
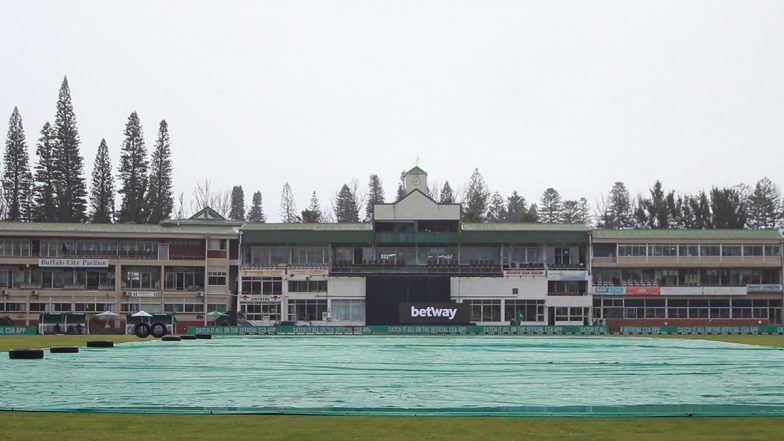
<point>433,313</point>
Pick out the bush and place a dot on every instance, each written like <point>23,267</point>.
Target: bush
<point>6,321</point>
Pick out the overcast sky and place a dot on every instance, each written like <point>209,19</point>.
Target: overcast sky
<point>570,94</point>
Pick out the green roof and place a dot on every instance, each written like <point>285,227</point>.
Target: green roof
<point>416,169</point>
<point>687,234</point>
<point>525,227</point>
<point>140,229</point>
<point>309,227</point>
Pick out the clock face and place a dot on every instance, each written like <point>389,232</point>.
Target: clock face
<point>415,180</point>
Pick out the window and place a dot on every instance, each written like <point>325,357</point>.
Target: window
<point>137,249</point>
<point>216,244</point>
<point>632,250</point>
<point>266,311</point>
<point>173,307</point>
<point>307,310</point>
<point>772,250</point>
<point>569,288</point>
<point>13,307</point>
<point>141,278</point>
<point>307,286</point>
<point>348,310</point>
<point>220,307</point>
<point>265,256</point>
<point>689,250</point>
<point>184,278</point>
<point>15,248</point>
<point>525,310</point>
<point>710,250</point>
<point>262,285</point>
<point>752,250</point>
<point>730,250</point>
<point>216,278</point>
<point>661,250</point>
<point>309,255</point>
<point>485,310</point>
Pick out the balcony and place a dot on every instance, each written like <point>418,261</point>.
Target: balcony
<point>486,268</point>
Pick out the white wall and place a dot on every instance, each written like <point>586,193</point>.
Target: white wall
<point>496,287</point>
<point>346,286</point>
<point>414,207</point>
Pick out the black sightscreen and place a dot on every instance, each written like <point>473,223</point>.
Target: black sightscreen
<point>384,293</point>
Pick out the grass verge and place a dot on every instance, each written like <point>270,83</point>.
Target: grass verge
<point>47,426</point>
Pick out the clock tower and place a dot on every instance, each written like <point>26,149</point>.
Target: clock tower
<point>416,178</point>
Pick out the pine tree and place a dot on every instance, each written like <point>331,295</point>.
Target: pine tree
<point>288,206</point>
<point>658,211</point>
<point>256,212</point>
<point>159,201</point>
<point>569,209</point>
<point>764,208</point>
<point>616,212</point>
<point>446,196</point>
<point>133,172</point>
<point>237,204</point>
<point>496,212</point>
<point>728,208</point>
<point>533,214</point>
<point>102,191</point>
<point>375,195</point>
<point>346,206</point>
<point>515,208</point>
<point>550,208</point>
<point>476,199</point>
<point>401,186</point>
<point>46,177</point>
<point>313,214</point>
<point>71,188</point>
<point>17,178</point>
<point>583,212</point>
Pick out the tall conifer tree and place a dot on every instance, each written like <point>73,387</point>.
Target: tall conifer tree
<point>133,172</point>
<point>237,204</point>
<point>47,177</point>
<point>71,188</point>
<point>158,200</point>
<point>446,197</point>
<point>346,206</point>
<point>288,206</point>
<point>313,214</point>
<point>102,191</point>
<point>17,178</point>
<point>375,195</point>
<point>256,212</point>
<point>476,200</point>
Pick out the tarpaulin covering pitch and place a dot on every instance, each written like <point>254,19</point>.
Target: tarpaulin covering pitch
<point>405,375</point>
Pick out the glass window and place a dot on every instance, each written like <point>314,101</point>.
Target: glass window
<point>752,250</point>
<point>772,250</point>
<point>307,310</point>
<point>689,250</point>
<point>216,244</point>
<point>216,278</point>
<point>730,250</point>
<point>662,250</point>
<point>632,250</point>
<point>348,310</point>
<point>485,310</point>
<point>524,310</point>
<point>710,250</point>
<point>262,285</point>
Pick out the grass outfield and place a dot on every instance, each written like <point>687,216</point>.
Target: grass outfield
<point>63,426</point>
<point>83,427</point>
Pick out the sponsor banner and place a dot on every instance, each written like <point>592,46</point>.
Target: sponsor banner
<point>143,293</point>
<point>681,291</point>
<point>268,272</point>
<point>76,263</point>
<point>764,288</point>
<point>17,330</point>
<point>762,329</point>
<point>396,330</point>
<point>567,276</point>
<point>434,313</point>
<point>524,273</point>
<point>642,290</point>
<point>305,272</point>
<point>259,298</point>
<point>608,290</point>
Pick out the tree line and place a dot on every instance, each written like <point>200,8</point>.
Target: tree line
<point>55,189</point>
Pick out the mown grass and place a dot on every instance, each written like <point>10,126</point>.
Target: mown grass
<point>85,427</point>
